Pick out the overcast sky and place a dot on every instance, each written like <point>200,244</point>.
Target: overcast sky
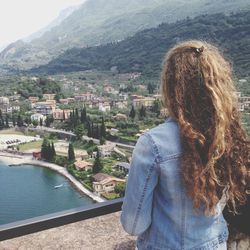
<point>20,18</point>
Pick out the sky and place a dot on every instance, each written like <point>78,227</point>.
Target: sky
<point>20,18</point>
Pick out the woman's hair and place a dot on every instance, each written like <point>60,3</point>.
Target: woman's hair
<point>198,91</point>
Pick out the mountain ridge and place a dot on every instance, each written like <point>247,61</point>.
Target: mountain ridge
<point>144,51</point>
<point>112,21</point>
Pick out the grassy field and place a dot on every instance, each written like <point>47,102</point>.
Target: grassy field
<point>10,131</point>
<point>31,145</point>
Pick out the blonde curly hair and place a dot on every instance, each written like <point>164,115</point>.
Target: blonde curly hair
<point>198,91</point>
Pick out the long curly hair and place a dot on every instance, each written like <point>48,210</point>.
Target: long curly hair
<point>198,91</point>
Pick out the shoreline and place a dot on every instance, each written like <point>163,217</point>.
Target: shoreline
<point>15,161</point>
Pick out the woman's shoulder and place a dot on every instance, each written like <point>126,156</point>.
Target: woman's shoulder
<point>169,129</point>
<point>165,138</point>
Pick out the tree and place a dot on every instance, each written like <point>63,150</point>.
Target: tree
<point>83,115</point>
<point>71,153</point>
<point>142,112</point>
<point>45,149</point>
<point>19,121</point>
<point>97,167</point>
<point>156,107</point>
<point>151,88</point>
<point>7,121</point>
<point>14,121</point>
<point>103,129</point>
<point>89,134</point>
<point>53,151</point>
<point>79,131</point>
<point>120,189</point>
<point>132,113</point>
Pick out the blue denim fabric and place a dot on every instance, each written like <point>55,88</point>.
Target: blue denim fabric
<point>156,207</point>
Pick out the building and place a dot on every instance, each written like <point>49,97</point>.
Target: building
<point>38,117</point>
<point>120,117</point>
<point>33,99</point>
<point>84,97</point>
<point>104,183</point>
<point>108,88</point>
<point>64,101</point>
<point>83,165</point>
<point>45,108</point>
<point>122,166</point>
<point>4,104</point>
<point>104,106</point>
<point>138,101</point>
<point>106,149</point>
<point>120,104</point>
<point>60,114</point>
<point>48,96</point>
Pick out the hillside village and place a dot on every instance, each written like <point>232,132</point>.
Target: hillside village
<point>100,125</point>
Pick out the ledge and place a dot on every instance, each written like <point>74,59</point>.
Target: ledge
<point>99,233</point>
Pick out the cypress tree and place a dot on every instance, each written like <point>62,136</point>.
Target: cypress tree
<point>83,115</point>
<point>14,120</point>
<point>19,121</point>
<point>53,151</point>
<point>45,149</point>
<point>71,153</point>
<point>7,121</point>
<point>103,129</point>
<point>97,167</point>
<point>132,113</point>
<point>89,134</point>
<point>142,112</point>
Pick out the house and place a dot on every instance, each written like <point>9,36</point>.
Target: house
<point>37,155</point>
<point>60,114</point>
<point>5,105</point>
<point>138,101</point>
<point>48,96</point>
<point>104,106</point>
<point>120,117</point>
<point>104,183</point>
<point>113,131</point>
<point>45,108</point>
<point>33,99</point>
<point>84,97</point>
<point>38,117</point>
<point>106,149</point>
<point>64,101</point>
<point>122,166</point>
<point>83,165</point>
<point>120,104</point>
<point>108,88</point>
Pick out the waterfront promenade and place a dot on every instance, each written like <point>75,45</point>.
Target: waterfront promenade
<point>17,160</point>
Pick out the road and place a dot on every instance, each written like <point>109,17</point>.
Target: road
<point>96,141</point>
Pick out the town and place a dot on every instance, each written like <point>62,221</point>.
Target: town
<point>88,126</point>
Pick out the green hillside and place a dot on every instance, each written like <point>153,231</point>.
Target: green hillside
<point>99,22</point>
<point>144,51</point>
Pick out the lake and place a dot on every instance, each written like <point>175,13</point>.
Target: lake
<point>29,191</point>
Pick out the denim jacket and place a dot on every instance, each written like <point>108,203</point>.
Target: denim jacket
<point>156,207</point>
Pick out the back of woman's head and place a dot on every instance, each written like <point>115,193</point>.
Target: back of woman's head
<point>198,91</point>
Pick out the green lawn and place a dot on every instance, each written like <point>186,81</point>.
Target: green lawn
<point>31,145</point>
<point>10,132</point>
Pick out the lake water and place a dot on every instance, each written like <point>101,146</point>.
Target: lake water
<point>28,191</point>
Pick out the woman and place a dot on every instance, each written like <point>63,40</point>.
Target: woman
<point>185,170</point>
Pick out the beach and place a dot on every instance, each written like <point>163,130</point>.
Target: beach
<point>18,160</point>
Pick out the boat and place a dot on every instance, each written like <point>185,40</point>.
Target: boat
<point>58,186</point>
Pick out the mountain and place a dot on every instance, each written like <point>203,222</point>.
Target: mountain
<point>99,22</point>
<point>62,15</point>
<point>144,51</point>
